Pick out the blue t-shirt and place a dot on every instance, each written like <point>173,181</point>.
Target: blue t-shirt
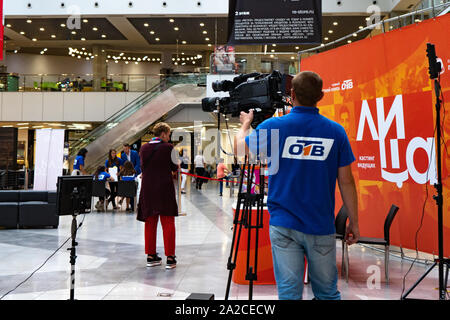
<point>128,178</point>
<point>103,176</point>
<point>117,163</point>
<point>303,169</point>
<point>79,160</point>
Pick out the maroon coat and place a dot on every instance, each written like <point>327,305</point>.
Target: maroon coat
<point>157,195</point>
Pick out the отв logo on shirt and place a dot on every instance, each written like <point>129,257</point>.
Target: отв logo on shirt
<point>306,148</point>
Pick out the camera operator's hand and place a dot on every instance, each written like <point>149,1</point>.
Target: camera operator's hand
<point>246,118</point>
<point>352,234</point>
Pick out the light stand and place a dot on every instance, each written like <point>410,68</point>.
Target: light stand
<point>435,69</point>
<point>76,205</point>
<point>243,219</point>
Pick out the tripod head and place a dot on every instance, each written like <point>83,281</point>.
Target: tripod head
<point>435,66</point>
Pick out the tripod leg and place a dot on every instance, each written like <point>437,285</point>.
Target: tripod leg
<point>419,281</point>
<point>446,277</point>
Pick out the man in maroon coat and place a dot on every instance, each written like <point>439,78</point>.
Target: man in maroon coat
<point>157,198</point>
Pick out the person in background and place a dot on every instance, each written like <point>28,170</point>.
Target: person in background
<point>127,173</point>
<point>101,175</point>
<point>184,165</point>
<point>199,163</point>
<point>78,164</point>
<point>157,197</point>
<point>113,162</point>
<point>222,172</point>
<point>133,156</point>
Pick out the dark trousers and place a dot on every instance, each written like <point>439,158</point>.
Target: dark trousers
<point>199,181</point>
<point>108,194</point>
<point>113,186</point>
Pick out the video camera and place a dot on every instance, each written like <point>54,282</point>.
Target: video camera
<point>265,94</point>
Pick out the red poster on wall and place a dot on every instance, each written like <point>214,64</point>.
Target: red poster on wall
<point>379,90</point>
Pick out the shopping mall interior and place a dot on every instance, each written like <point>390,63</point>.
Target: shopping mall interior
<point>104,73</point>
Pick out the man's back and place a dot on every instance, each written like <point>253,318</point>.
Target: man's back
<point>311,149</point>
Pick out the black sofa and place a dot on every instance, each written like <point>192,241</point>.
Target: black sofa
<point>28,209</point>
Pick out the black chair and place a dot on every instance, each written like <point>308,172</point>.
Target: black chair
<point>98,189</point>
<point>379,241</point>
<point>340,224</point>
<point>127,189</point>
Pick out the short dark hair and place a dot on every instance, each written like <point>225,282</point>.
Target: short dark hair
<point>307,86</point>
<point>126,145</point>
<point>82,152</point>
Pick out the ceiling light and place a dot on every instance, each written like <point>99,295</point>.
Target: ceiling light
<point>29,21</point>
<point>272,50</point>
<point>74,32</point>
<point>361,27</point>
<point>15,51</point>
<point>355,35</point>
<point>274,45</point>
<point>95,29</point>
<point>145,24</point>
<point>83,39</point>
<point>8,25</point>
<point>136,62</point>
<point>292,58</point>
<point>171,20</point>
<point>330,31</point>
<point>63,25</point>
<point>205,32</point>
<point>103,35</point>
<point>176,28</point>
<point>53,36</point>
<point>116,61</point>
<point>85,20</point>
<point>126,62</point>
<point>367,19</point>
<point>349,41</point>
<point>157,39</point>
<point>335,23</point>
<point>42,29</point>
<point>42,52</point>
<point>21,32</point>
<point>209,45</point>
<point>272,56</point>
<point>157,59</point>
<point>34,39</point>
<point>202,24</point>
<point>152,32</point>
<point>183,42</point>
<point>297,48</point>
<point>45,49</point>
<point>207,39</point>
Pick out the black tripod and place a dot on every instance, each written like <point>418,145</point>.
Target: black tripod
<point>441,262</point>
<point>246,201</point>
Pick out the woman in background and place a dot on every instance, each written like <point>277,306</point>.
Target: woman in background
<point>102,175</point>
<point>113,162</point>
<point>127,173</point>
<point>78,164</point>
<point>184,165</point>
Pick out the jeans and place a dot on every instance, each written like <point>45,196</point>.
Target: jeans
<point>289,248</point>
<point>221,187</point>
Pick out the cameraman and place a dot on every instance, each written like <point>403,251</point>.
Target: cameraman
<point>313,152</point>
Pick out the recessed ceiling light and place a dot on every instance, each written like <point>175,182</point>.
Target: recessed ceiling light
<point>183,42</point>
<point>116,61</point>
<point>367,19</point>
<point>326,38</point>
<point>15,51</point>
<point>274,45</point>
<point>34,39</point>
<point>272,50</point>
<point>21,32</point>
<point>42,29</point>
<point>171,20</point>
<point>152,32</point>
<point>74,32</point>
<point>176,28</point>
<point>335,23</point>
<point>209,45</point>
<point>355,34</point>
<point>53,36</point>
<point>29,21</point>
<point>202,24</point>
<point>146,24</point>
<point>103,35</point>
<point>205,32</point>
<point>85,20</point>
<point>349,41</point>
<point>361,27</point>
<point>157,39</point>
<point>83,39</point>
<point>8,25</point>
<point>207,39</point>
<point>297,48</point>
<point>330,31</point>
<point>62,25</point>
<point>126,62</point>
<point>95,29</point>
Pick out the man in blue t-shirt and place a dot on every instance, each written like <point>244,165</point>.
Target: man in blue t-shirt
<point>307,153</point>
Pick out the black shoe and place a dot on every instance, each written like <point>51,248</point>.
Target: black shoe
<point>153,260</point>
<point>220,195</point>
<point>171,262</point>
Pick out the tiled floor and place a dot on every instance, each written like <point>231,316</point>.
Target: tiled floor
<point>111,263</point>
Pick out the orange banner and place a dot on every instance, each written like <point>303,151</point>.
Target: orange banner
<point>379,90</point>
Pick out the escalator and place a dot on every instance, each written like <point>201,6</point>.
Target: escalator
<point>133,121</point>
